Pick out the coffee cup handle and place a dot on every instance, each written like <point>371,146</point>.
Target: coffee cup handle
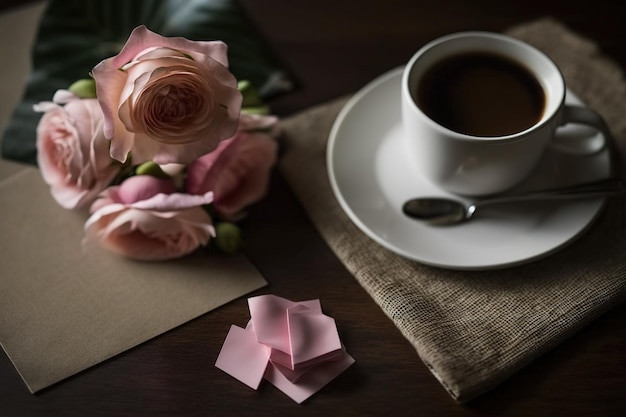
<point>585,141</point>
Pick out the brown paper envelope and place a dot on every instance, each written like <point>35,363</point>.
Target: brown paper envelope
<point>65,307</point>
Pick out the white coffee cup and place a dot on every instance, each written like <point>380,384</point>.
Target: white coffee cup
<point>479,165</point>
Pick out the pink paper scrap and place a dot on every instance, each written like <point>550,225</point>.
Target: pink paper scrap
<point>293,345</point>
<point>242,357</point>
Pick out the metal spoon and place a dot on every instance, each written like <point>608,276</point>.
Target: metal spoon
<point>445,211</point>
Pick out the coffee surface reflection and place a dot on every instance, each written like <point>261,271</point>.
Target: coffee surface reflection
<point>481,94</point>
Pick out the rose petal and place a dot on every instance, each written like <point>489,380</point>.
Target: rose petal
<point>149,235</point>
<point>72,152</point>
<point>141,187</point>
<point>175,201</point>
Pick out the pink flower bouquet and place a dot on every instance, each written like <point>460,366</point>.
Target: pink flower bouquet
<point>159,146</point>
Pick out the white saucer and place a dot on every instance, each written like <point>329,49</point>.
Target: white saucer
<point>372,176</point>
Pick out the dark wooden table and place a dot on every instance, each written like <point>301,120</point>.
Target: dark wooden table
<point>335,47</point>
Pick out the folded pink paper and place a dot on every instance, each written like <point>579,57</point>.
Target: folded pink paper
<point>304,323</point>
<point>293,345</point>
<point>312,381</point>
<point>292,375</point>
<point>270,321</point>
<point>242,357</point>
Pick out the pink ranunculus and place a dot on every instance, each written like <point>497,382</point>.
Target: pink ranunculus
<point>168,100</point>
<point>72,152</point>
<point>237,172</point>
<point>144,218</point>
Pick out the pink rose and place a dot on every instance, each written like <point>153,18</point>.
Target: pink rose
<point>72,152</point>
<point>168,100</point>
<point>237,171</point>
<point>146,219</point>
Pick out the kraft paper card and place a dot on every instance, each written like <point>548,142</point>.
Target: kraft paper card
<point>65,307</point>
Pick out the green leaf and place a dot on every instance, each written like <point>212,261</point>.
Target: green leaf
<point>74,35</point>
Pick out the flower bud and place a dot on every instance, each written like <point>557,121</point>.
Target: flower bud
<point>228,238</point>
<point>152,169</point>
<point>85,88</point>
<point>262,110</point>
<point>250,94</point>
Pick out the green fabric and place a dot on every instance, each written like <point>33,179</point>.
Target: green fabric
<point>74,35</point>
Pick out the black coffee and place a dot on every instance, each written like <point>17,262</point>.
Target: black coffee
<point>481,94</point>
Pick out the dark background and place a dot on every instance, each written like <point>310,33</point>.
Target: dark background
<point>333,48</point>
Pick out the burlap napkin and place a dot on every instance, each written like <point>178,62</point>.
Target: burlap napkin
<point>475,329</point>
